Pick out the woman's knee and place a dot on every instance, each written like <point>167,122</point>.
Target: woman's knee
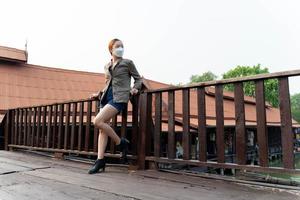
<point>99,123</point>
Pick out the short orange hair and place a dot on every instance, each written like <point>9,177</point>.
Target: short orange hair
<point>111,44</point>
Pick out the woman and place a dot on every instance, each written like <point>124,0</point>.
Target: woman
<point>114,99</point>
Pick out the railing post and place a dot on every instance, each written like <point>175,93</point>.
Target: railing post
<point>157,128</point>
<point>73,128</point>
<point>49,128</point>
<point>287,137</point>
<point>262,134</point>
<point>202,134</point>
<point>38,131</point>
<point>33,127</point>
<point>171,125</point>
<point>88,126</point>
<point>80,129</point>
<point>186,123</point>
<point>54,130</point>
<point>240,127</point>
<point>67,128</point>
<point>135,123</point>
<point>7,129</point>
<point>124,122</point>
<point>96,130</point>
<point>220,124</point>
<point>143,132</point>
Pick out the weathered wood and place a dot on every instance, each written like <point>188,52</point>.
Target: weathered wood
<point>157,127</point>
<point>68,180</point>
<point>135,122</point>
<point>202,134</point>
<point>33,127</point>
<point>16,126</point>
<point>96,130</point>
<point>171,125</point>
<point>73,130</point>
<point>20,126</point>
<point>143,131</point>
<point>124,122</point>
<point>90,153</point>
<point>44,126</point>
<point>60,102</point>
<point>13,122</point>
<point>287,135</point>
<point>149,124</point>
<point>49,126</point>
<point>220,124</point>
<point>114,126</point>
<point>262,135</point>
<point>80,129</point>
<point>7,129</point>
<point>67,127</point>
<point>38,131</point>
<point>253,168</point>
<point>186,123</point>
<point>60,126</point>
<point>54,129</point>
<point>240,128</point>
<point>29,133</point>
<point>88,125</point>
<point>25,126</point>
<point>228,81</point>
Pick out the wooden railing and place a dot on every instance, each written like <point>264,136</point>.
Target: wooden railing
<point>154,139</point>
<point>67,127</point>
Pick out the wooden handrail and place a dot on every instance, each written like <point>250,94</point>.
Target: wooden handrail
<point>228,81</point>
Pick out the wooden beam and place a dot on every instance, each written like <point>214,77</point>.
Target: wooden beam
<point>157,125</point>
<point>240,128</point>
<point>287,135</point>
<point>186,123</point>
<point>202,134</point>
<point>262,134</point>
<point>220,124</point>
<point>171,124</point>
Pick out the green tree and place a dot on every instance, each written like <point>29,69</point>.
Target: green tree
<point>206,76</point>
<point>271,85</point>
<point>295,106</point>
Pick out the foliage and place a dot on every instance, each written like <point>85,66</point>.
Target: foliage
<point>295,106</point>
<point>271,85</point>
<point>206,76</point>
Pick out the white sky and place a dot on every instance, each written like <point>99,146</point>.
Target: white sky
<point>168,40</point>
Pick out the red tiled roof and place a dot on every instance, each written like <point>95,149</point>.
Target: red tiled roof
<point>11,54</point>
<point>28,85</point>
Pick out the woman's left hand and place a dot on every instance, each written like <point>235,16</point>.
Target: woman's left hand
<point>134,91</point>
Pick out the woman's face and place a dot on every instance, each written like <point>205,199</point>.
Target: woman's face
<point>118,44</point>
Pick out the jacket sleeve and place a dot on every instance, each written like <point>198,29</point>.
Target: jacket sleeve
<point>136,76</point>
<point>107,78</point>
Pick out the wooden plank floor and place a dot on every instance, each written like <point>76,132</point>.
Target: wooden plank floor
<point>27,176</point>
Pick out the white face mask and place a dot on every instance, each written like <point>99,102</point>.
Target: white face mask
<point>118,52</point>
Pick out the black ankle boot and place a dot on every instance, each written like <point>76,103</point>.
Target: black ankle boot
<point>123,148</point>
<point>99,164</point>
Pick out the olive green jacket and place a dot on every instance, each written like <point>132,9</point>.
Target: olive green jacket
<point>121,80</point>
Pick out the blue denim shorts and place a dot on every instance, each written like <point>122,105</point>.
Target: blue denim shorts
<point>108,99</point>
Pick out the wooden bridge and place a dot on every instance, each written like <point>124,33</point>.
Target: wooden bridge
<point>65,128</point>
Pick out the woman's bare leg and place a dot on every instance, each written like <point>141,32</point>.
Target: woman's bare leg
<point>102,143</point>
<point>100,121</point>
